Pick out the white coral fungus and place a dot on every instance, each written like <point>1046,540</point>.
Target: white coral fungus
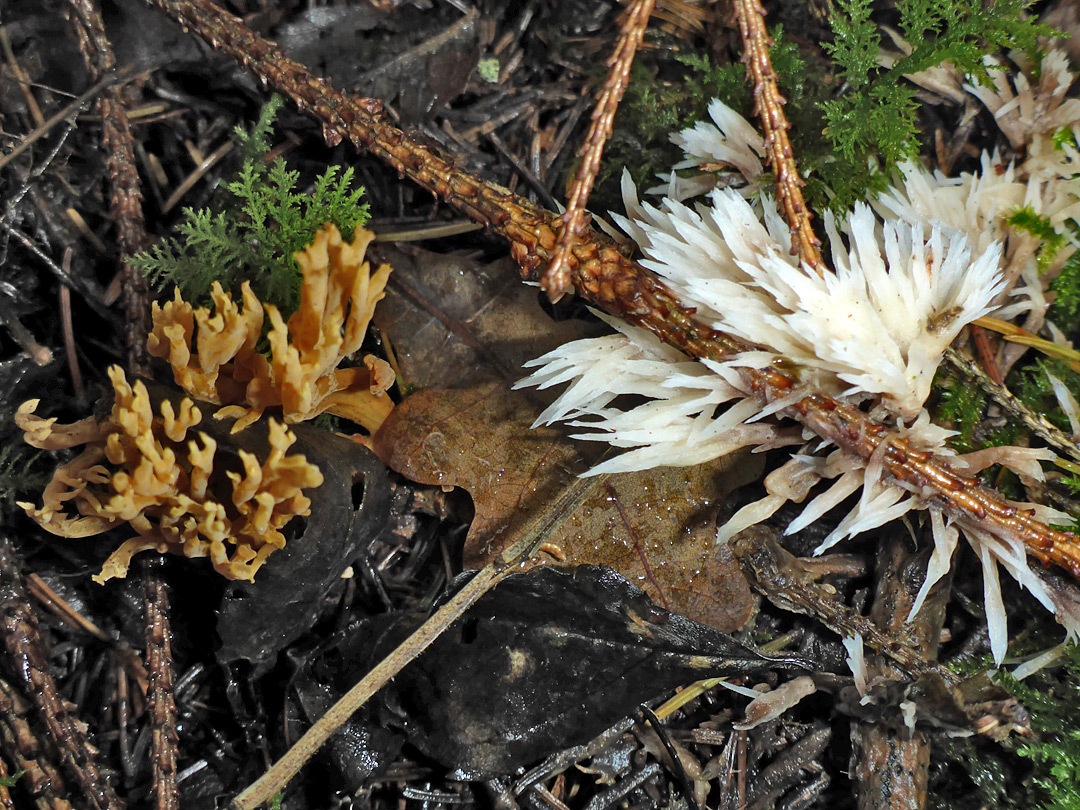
<point>906,281</point>
<point>876,327</point>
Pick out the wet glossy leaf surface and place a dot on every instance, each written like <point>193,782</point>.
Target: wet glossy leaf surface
<point>258,619</point>
<point>546,660</point>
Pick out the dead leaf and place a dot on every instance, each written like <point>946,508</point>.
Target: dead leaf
<point>454,321</point>
<point>546,660</point>
<point>656,528</point>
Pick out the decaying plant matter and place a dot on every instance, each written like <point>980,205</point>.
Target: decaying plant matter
<point>214,357</point>
<point>604,275</point>
<point>556,278</point>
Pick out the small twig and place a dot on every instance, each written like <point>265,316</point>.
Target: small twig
<point>197,173</point>
<point>769,107</point>
<point>68,330</point>
<point>776,573</point>
<point>40,355</point>
<point>21,77</point>
<point>125,195</point>
<point>123,724</point>
<point>160,695</point>
<point>986,354</point>
<point>1007,400</point>
<point>80,103</point>
<point>92,295</point>
<point>27,662</point>
<point>556,279</point>
<point>673,754</point>
<point>523,170</point>
<point>31,753</point>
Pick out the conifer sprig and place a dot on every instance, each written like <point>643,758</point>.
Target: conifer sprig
<point>877,115</point>
<point>263,219</point>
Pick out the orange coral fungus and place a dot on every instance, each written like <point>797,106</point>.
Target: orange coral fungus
<point>136,468</point>
<point>337,298</point>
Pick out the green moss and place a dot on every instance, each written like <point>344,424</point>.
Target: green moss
<point>875,121</point>
<point>1053,698</point>
<point>960,406</point>
<point>1026,219</point>
<point>1066,287</point>
<point>670,91</point>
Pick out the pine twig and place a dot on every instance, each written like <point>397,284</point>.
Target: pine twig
<point>786,582</point>
<point>125,196</point>
<point>1008,401</point>
<point>160,694</point>
<point>604,276</point>
<point>126,206</point>
<point>556,279</point>
<point>769,107</point>
<point>30,753</point>
<point>27,663</point>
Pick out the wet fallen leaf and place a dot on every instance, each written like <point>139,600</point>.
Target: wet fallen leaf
<point>258,619</point>
<point>656,528</point>
<point>454,321</point>
<point>547,659</point>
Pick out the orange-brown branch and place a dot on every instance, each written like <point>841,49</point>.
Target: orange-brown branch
<point>769,107</point>
<point>556,279</point>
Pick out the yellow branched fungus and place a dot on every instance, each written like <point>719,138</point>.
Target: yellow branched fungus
<point>337,299</point>
<point>136,468</point>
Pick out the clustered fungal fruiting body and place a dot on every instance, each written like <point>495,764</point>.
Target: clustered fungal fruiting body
<point>218,362</point>
<point>164,486</point>
<point>926,258</point>
<point>139,467</point>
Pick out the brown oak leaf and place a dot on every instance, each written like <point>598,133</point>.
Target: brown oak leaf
<point>656,528</point>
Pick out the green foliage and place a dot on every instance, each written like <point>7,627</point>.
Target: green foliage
<point>9,781</point>
<point>262,221</point>
<point>670,91</point>
<point>1053,699</point>
<point>1067,299</point>
<point>960,407</point>
<point>1064,137</point>
<point>876,120</point>
<point>1026,219</point>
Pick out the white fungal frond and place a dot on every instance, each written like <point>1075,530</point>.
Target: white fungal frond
<point>876,327</point>
<point>729,141</point>
<point>909,273</point>
<point>1028,110</point>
